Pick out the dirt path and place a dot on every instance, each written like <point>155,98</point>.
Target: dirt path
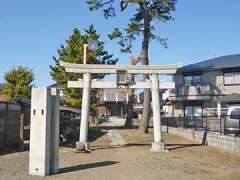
<point>134,161</point>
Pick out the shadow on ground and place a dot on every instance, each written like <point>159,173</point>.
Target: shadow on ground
<point>11,150</point>
<point>95,148</point>
<point>116,127</point>
<point>169,147</point>
<point>86,166</point>
<point>180,146</point>
<point>95,133</point>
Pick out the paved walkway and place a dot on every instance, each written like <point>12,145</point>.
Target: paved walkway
<point>113,134</point>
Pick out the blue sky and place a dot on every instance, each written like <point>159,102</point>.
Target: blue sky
<point>31,32</point>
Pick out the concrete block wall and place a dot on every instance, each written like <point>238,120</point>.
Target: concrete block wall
<point>224,142</point>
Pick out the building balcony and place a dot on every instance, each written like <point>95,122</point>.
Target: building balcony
<point>194,92</point>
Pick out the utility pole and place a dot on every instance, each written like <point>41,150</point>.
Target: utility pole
<point>85,50</point>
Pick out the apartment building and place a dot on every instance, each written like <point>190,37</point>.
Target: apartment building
<point>208,86</point>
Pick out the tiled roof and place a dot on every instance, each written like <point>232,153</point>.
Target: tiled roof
<point>0,88</point>
<point>222,62</point>
<point>3,98</point>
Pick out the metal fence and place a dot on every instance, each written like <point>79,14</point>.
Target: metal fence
<point>224,124</point>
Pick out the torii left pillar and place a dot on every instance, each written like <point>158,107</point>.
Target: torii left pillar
<point>83,143</point>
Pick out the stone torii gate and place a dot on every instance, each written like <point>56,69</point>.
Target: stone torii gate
<point>121,70</point>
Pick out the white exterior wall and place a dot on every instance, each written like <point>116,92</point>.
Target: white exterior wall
<point>216,78</point>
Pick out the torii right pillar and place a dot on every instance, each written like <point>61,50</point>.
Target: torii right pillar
<point>158,144</point>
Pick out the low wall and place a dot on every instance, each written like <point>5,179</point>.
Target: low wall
<point>226,143</point>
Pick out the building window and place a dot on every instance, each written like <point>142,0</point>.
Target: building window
<point>192,79</point>
<point>193,111</point>
<point>231,78</point>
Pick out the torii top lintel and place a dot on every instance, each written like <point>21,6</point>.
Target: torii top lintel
<point>112,69</point>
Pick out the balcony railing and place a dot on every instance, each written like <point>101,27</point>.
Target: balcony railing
<point>195,90</point>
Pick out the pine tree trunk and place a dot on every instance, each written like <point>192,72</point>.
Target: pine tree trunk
<point>129,118</point>
<point>144,124</point>
<point>129,122</point>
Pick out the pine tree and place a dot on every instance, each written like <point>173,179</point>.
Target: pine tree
<point>142,23</point>
<point>72,52</point>
<point>18,82</point>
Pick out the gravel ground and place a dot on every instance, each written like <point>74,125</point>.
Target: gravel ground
<point>134,161</point>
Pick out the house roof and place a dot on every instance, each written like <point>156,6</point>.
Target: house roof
<point>67,108</point>
<point>21,99</point>
<point>222,62</point>
<point>55,85</point>
<point>1,85</point>
<point>74,110</point>
<point>3,98</point>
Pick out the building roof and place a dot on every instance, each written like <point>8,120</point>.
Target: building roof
<point>1,85</point>
<point>222,62</point>
<point>55,85</point>
<point>3,98</point>
<point>74,110</point>
<point>71,109</point>
<point>21,100</point>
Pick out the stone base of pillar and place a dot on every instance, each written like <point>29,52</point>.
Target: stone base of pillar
<point>158,147</point>
<point>83,146</point>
